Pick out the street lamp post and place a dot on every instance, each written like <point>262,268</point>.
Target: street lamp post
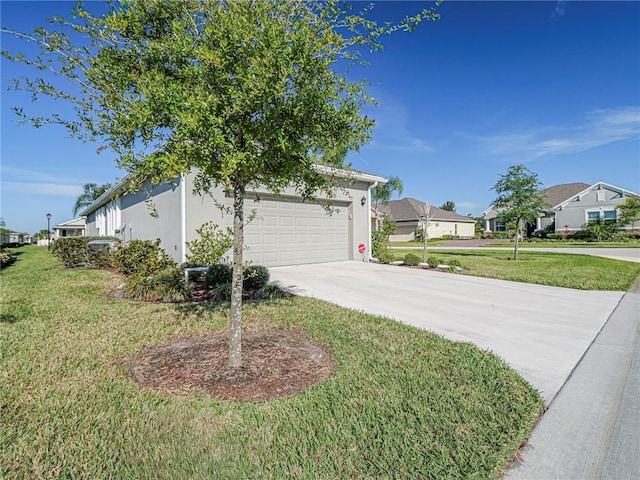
<point>49,231</point>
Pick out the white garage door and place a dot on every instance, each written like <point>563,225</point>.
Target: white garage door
<point>290,232</point>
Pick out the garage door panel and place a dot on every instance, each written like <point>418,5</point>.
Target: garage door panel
<point>288,232</point>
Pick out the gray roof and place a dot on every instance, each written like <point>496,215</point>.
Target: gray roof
<point>559,193</point>
<point>407,209</point>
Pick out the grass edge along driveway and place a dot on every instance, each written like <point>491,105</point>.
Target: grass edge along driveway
<point>583,272</point>
<point>404,403</point>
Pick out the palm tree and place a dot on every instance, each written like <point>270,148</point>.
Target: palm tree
<point>90,193</point>
<point>382,193</point>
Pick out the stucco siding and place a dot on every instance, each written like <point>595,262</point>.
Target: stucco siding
<point>350,224</point>
<point>574,214</point>
<point>439,228</point>
<point>148,216</point>
<point>404,233</point>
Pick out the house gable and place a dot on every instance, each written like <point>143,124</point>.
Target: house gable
<point>598,201</point>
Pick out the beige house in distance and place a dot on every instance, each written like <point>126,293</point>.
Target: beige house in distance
<point>410,214</point>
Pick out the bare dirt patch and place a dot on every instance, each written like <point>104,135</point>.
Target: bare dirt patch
<point>276,363</point>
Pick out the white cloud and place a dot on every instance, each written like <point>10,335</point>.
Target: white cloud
<point>26,175</point>
<point>561,8</point>
<point>465,206</point>
<point>393,130</point>
<point>601,128</point>
<point>55,189</point>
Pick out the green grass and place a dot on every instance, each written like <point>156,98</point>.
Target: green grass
<point>431,241</point>
<point>582,272</point>
<point>563,244</point>
<point>404,403</point>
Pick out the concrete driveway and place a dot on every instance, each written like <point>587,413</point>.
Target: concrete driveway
<point>541,331</point>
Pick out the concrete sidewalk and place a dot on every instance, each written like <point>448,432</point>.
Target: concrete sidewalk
<point>541,331</point>
<point>592,429</point>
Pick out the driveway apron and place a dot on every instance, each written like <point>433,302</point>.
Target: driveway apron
<point>540,331</point>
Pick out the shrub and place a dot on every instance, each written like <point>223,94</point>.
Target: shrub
<point>74,252</point>
<point>599,229</point>
<point>100,259</point>
<point>554,236</point>
<point>454,263</point>
<point>167,285</point>
<point>627,236</point>
<point>434,261</point>
<point>141,256</point>
<point>386,257</point>
<point>217,275</point>
<point>211,246</point>
<point>411,259</point>
<point>7,257</point>
<point>271,291</point>
<point>255,277</point>
<point>221,292</point>
<point>379,244</point>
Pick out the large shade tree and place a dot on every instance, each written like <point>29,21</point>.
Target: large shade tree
<point>240,93</point>
<point>519,199</point>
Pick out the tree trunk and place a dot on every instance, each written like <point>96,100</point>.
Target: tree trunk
<point>235,323</point>
<point>515,250</point>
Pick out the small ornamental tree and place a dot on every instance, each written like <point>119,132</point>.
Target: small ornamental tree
<point>629,212</point>
<point>242,93</point>
<point>519,199</point>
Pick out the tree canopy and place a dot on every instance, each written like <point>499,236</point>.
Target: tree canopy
<point>519,199</point>
<point>241,93</point>
<point>629,212</point>
<point>382,193</point>
<point>449,205</point>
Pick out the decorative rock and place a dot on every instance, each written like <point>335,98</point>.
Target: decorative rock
<point>397,262</point>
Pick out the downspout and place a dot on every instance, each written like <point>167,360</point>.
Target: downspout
<point>369,243</point>
<point>183,218</point>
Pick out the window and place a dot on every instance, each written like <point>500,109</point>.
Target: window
<point>500,226</point>
<point>610,215</point>
<point>593,216</point>
<point>455,228</point>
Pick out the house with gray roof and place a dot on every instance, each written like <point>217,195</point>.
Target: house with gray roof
<point>411,216</point>
<point>570,206</point>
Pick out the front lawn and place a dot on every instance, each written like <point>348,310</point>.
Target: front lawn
<point>403,403</point>
<point>416,243</point>
<point>564,244</point>
<point>583,272</point>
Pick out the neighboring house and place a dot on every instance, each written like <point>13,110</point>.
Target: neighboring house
<point>284,229</point>
<point>571,205</point>
<point>410,214</point>
<point>598,201</point>
<point>72,228</point>
<point>15,237</point>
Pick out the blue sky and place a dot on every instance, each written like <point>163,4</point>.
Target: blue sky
<point>554,85</point>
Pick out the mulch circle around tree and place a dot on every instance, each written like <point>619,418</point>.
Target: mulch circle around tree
<point>277,363</point>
